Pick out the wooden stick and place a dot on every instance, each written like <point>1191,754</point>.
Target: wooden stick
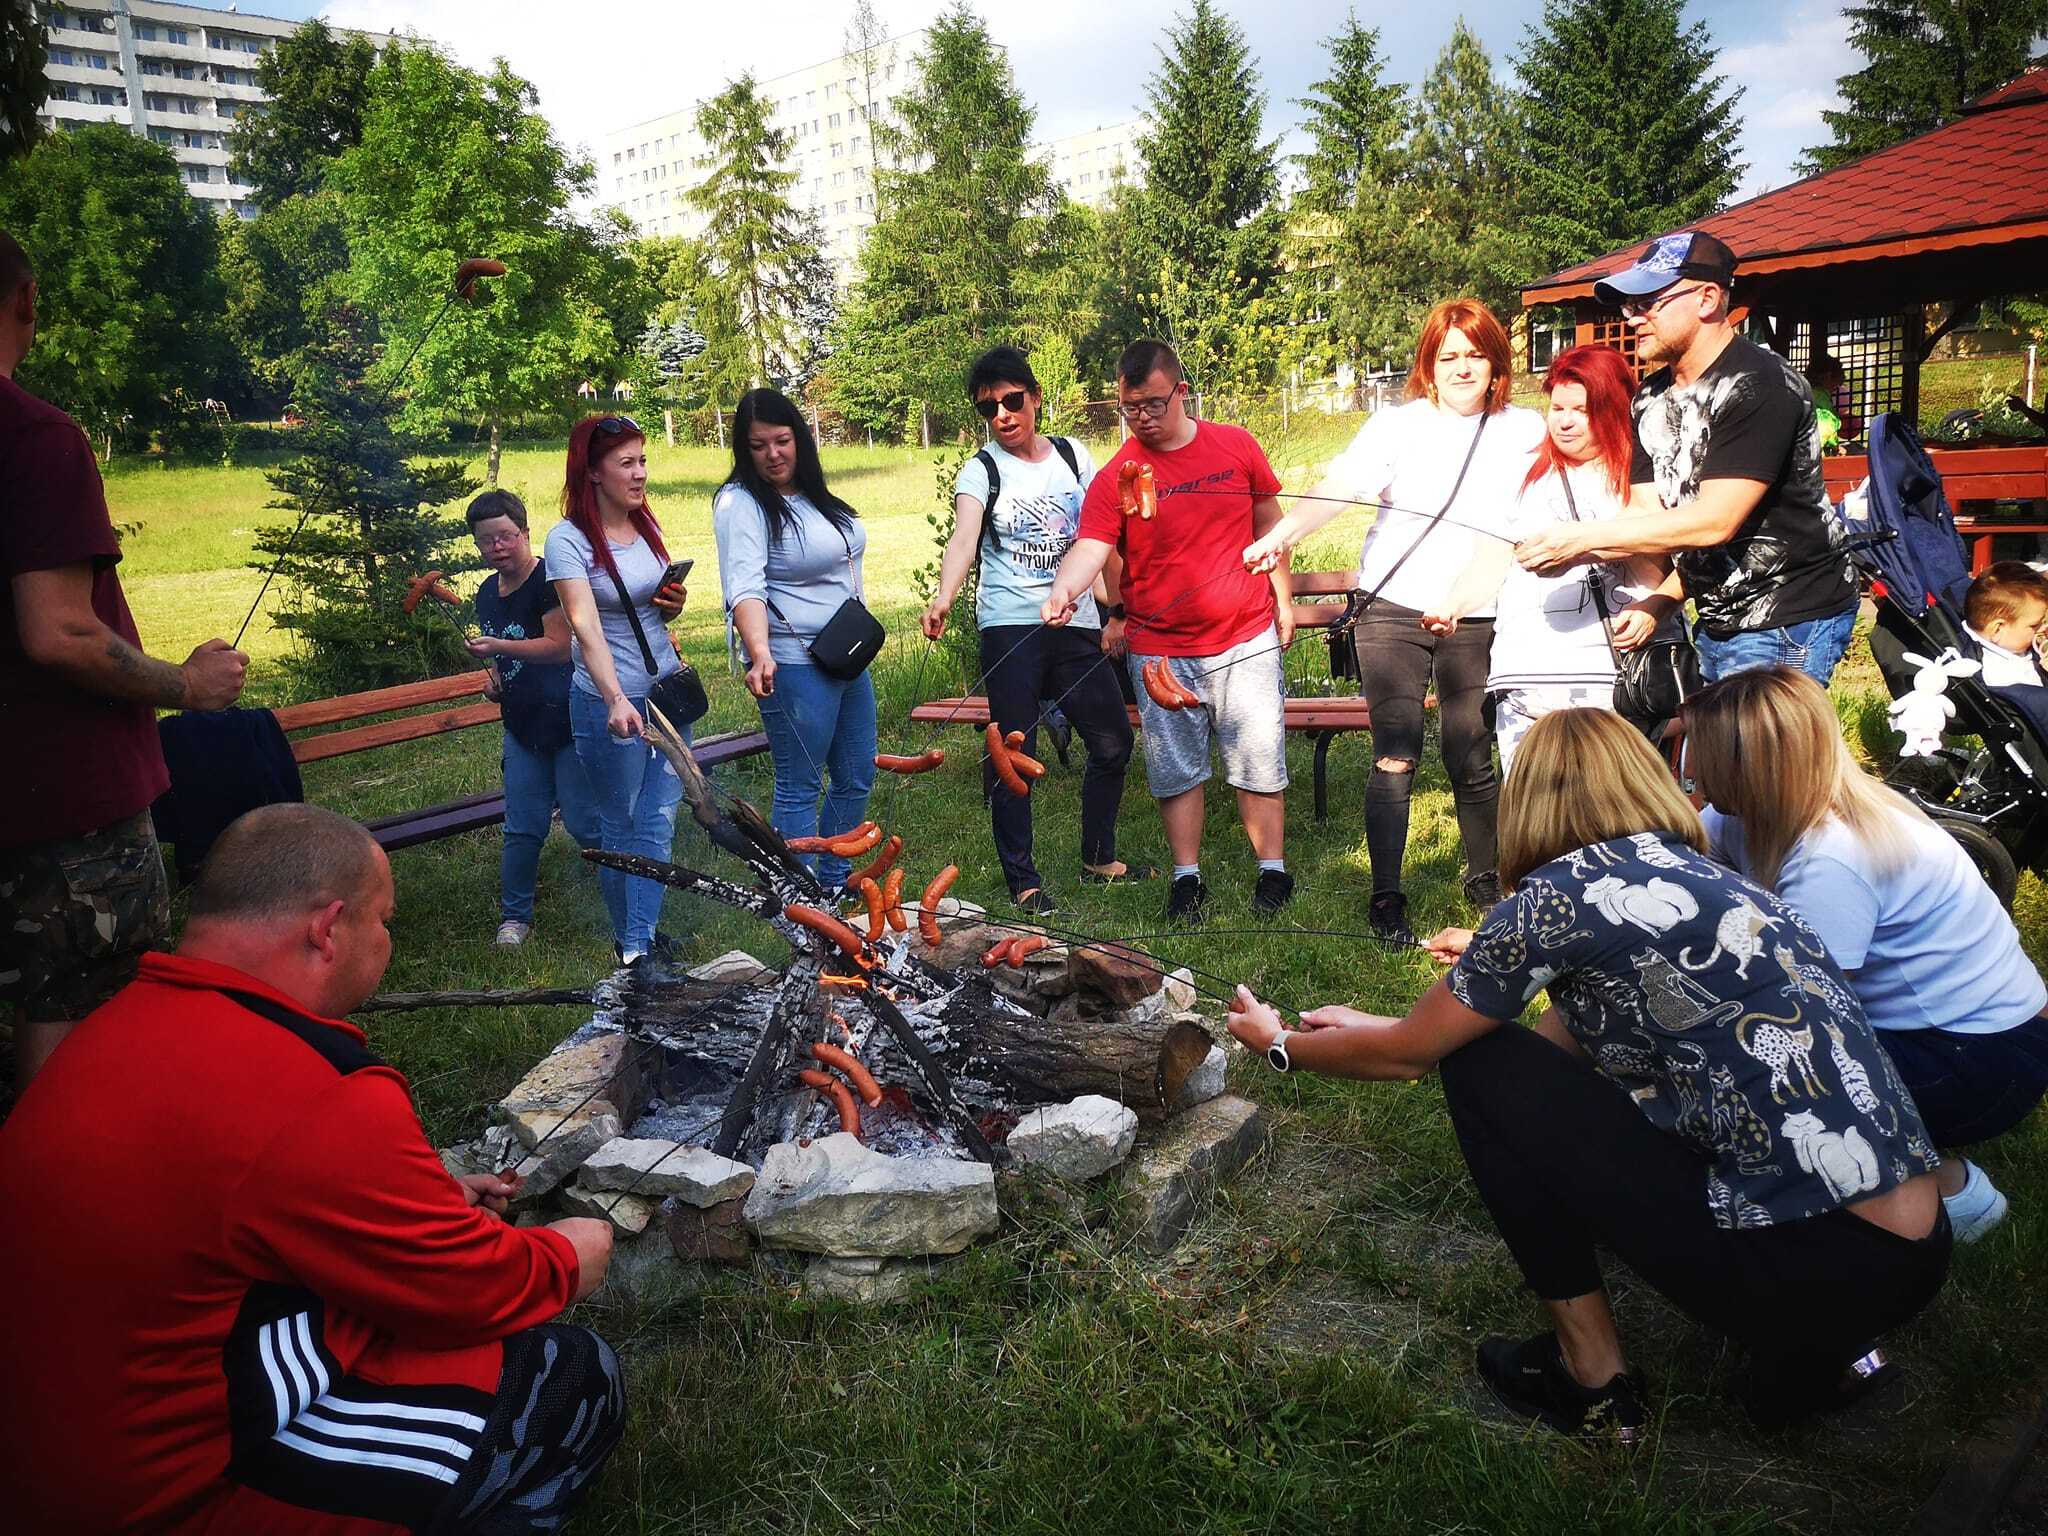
<point>489,997</point>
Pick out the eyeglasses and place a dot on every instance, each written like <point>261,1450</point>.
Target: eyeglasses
<point>1638,309</point>
<point>1013,402</point>
<point>497,540</point>
<point>1147,410</point>
<point>614,426</point>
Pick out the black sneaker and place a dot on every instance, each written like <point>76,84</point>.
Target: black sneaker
<point>1274,890</point>
<point>1187,898</point>
<point>1777,1397</point>
<point>1530,1379</point>
<point>1483,891</point>
<point>1388,916</point>
<point>1038,903</point>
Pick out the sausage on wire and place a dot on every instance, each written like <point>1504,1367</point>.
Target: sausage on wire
<point>1027,766</point>
<point>1023,948</point>
<point>828,927</point>
<point>857,841</point>
<point>871,893</point>
<point>1127,486</point>
<point>826,1083</point>
<point>862,1079</point>
<point>880,867</point>
<point>928,908</point>
<point>1157,687</point>
<point>892,899</point>
<point>999,756</point>
<point>1147,488</point>
<point>998,954</point>
<point>922,762</point>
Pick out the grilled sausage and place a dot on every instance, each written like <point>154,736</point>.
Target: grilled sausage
<point>850,844</point>
<point>997,954</point>
<point>928,908</point>
<point>922,762</point>
<point>892,899</point>
<point>876,870</point>
<point>1027,766</point>
<point>827,926</point>
<point>1127,486</point>
<point>1148,494</point>
<point>999,755</point>
<point>871,893</point>
<point>1020,949</point>
<point>862,1079</point>
<point>826,1083</point>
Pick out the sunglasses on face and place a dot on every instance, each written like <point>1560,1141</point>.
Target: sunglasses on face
<point>1013,402</point>
<point>1638,309</point>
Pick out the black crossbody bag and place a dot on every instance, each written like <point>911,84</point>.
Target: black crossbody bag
<point>680,696</point>
<point>1654,679</point>
<point>851,639</point>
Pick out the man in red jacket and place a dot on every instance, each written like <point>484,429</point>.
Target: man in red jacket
<point>242,1293</point>
<point>1222,630</point>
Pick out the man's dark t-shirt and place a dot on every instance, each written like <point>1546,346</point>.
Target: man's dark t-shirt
<point>1748,417</point>
<point>74,761</point>
<point>536,702</point>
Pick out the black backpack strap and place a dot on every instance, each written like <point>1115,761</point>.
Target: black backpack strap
<point>1065,445</point>
<point>988,502</point>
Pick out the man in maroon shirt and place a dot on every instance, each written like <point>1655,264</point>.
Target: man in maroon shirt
<point>80,875</point>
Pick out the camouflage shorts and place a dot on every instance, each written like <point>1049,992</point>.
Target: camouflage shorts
<point>80,912</point>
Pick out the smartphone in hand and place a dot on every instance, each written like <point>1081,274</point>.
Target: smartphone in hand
<point>678,571</point>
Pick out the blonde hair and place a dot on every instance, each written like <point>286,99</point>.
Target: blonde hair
<point>1584,776</point>
<point>1765,747</point>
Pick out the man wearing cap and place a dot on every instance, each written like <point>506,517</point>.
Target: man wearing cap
<point>1727,475</point>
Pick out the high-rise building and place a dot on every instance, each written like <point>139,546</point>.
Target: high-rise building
<point>1088,166</point>
<point>177,74</point>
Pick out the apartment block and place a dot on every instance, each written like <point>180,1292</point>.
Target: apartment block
<point>1089,166</point>
<point>177,74</point>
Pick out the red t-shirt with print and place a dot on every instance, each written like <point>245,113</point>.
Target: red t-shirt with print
<point>1185,586</point>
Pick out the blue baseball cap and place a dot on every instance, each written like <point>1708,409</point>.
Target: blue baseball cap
<point>1689,253</point>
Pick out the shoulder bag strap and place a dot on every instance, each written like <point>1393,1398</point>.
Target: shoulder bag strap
<point>633,618</point>
<point>1443,511</point>
<point>1592,576</point>
<point>853,579</point>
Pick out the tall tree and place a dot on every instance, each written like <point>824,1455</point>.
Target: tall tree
<point>756,241</point>
<point>24,78</point>
<point>128,298</point>
<point>1924,61</point>
<point>1348,235</point>
<point>1626,130</point>
<point>318,87</point>
<point>872,56</point>
<point>958,236</point>
<point>1206,210</point>
<point>285,273</point>
<point>1464,167</point>
<point>455,164</point>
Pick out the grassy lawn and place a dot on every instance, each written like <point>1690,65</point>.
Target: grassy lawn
<point>1303,1362</point>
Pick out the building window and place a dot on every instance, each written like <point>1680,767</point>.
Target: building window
<point>857,143</point>
<point>832,121</point>
<point>840,206</point>
<point>615,157</point>
<point>178,35</point>
<point>96,61</point>
<point>102,97</point>
<point>837,149</point>
<point>61,56</point>
<point>839,178</point>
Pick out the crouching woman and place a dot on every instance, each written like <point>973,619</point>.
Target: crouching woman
<point>1703,1096</point>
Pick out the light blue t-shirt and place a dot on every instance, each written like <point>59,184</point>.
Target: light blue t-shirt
<point>569,555</point>
<point>1036,515</point>
<point>807,576</point>
<point>1926,946</point>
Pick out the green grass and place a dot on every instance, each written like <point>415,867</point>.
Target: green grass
<point>1303,1362</point>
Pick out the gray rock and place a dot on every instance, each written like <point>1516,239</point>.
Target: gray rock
<point>1180,990</point>
<point>1169,1180</point>
<point>628,1214</point>
<point>657,1169</point>
<point>836,1196</point>
<point>735,965</point>
<point>715,1234</point>
<point>867,1282</point>
<point>1077,1140</point>
<point>1205,1082</point>
<point>467,1157</point>
<point>603,1067</point>
<point>646,1269</point>
<point>533,1126</point>
<point>559,1156</point>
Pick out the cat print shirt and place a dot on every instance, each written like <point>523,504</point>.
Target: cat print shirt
<point>1749,416</point>
<point>1716,1008</point>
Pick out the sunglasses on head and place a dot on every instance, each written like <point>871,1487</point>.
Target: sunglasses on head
<point>615,426</point>
<point>1013,402</point>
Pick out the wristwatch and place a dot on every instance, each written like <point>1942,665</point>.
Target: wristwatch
<point>1113,610</point>
<point>1276,1054</point>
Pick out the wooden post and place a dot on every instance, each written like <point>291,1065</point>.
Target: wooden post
<point>1911,325</point>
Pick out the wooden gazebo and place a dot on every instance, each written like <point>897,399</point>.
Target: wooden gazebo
<point>1855,257</point>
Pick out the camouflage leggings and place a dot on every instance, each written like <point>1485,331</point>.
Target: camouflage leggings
<point>80,912</point>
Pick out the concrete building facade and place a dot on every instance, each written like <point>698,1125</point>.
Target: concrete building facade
<point>1089,166</point>
<point>176,74</point>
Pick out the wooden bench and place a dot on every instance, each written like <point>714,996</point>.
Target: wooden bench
<point>449,714</point>
<point>1971,478</point>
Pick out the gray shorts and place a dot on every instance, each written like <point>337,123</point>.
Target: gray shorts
<point>1245,710</point>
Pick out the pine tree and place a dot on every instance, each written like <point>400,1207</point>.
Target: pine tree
<point>316,89</point>
<point>1626,132</point>
<point>1349,225</point>
<point>1206,213</point>
<point>962,230</point>
<point>1464,160</point>
<point>1927,60</point>
<point>757,240</point>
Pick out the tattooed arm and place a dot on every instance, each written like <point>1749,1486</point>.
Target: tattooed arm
<point>59,630</point>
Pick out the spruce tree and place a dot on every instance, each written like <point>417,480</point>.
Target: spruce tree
<point>1925,61</point>
<point>1464,167</point>
<point>1349,224</point>
<point>1626,131</point>
<point>316,88</point>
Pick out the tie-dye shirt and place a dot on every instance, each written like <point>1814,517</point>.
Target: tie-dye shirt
<point>1715,1007</point>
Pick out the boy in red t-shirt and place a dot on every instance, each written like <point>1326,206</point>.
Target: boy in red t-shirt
<point>1191,602</point>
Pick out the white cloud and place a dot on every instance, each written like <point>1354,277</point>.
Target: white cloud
<point>1789,76</point>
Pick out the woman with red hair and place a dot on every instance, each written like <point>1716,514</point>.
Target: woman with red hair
<point>1444,470</point>
<point>607,559</point>
<point>1553,647</point>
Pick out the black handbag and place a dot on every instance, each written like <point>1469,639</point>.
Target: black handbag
<point>1654,679</point>
<point>680,696</point>
<point>851,639</point>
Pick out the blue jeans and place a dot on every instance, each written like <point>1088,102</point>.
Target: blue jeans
<point>535,783</point>
<point>818,725</point>
<point>636,793</point>
<point>1813,648</point>
<point>1970,1088</point>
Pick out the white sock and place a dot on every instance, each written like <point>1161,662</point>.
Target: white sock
<point>1278,866</point>
<point>1186,869</point>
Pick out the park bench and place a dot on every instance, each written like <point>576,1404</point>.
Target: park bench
<point>449,713</point>
<point>1323,718</point>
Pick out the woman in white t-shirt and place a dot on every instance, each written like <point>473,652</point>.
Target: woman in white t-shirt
<point>1550,648</point>
<point>1456,448</point>
<point>1934,960</point>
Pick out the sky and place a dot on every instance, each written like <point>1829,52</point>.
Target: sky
<point>1082,63</point>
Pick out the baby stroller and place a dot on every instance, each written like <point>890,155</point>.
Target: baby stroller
<point>1991,797</point>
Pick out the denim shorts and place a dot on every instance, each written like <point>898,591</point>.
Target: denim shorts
<point>1971,1088</point>
<point>1814,647</point>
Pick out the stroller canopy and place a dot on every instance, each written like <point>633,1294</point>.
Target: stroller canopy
<point>1924,564</point>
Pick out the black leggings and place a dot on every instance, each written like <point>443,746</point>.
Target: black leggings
<point>1395,659</point>
<point>1564,1160</point>
<point>1033,665</point>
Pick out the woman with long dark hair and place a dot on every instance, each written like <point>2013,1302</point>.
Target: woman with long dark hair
<point>1704,1097</point>
<point>607,559</point>
<point>789,555</point>
<point>1551,643</point>
<point>1448,465</point>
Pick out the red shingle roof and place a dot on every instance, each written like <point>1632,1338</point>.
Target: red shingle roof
<point>1980,180</point>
